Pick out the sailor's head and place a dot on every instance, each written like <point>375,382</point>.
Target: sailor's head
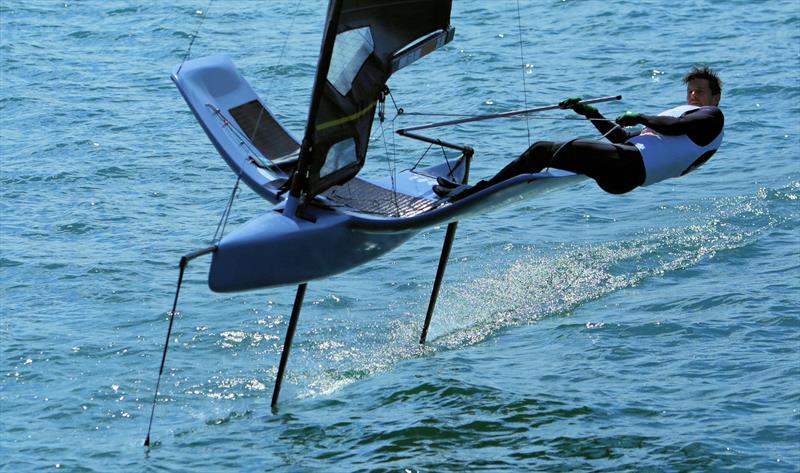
<point>703,87</point>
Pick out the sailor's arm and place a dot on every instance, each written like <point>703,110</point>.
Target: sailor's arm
<point>702,125</point>
<point>613,132</point>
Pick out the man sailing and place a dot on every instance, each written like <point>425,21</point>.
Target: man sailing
<point>671,144</point>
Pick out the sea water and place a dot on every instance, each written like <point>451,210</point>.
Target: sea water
<point>579,331</point>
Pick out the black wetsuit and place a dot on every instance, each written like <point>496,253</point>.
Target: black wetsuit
<point>617,166</point>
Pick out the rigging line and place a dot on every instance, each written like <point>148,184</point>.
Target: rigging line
<point>394,139</point>
<point>285,41</point>
<point>522,64</point>
<point>616,125</point>
<point>419,160</point>
<point>447,161</point>
<point>258,124</point>
<point>390,158</point>
<point>223,221</point>
<point>399,112</point>
<point>280,61</point>
<point>194,36</point>
<point>392,169</point>
<point>397,109</point>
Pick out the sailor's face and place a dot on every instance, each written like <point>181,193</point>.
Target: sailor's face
<point>698,93</point>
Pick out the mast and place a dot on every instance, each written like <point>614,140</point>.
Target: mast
<point>364,42</point>
<point>300,175</point>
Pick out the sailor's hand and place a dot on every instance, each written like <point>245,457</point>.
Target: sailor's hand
<point>574,104</point>
<point>629,119</point>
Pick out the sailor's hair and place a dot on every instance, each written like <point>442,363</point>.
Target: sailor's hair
<point>705,73</point>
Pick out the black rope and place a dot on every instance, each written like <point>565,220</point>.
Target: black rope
<point>166,346</point>
<point>391,156</point>
<point>223,220</point>
<point>183,263</point>
<point>420,159</point>
<point>397,109</point>
<point>447,160</point>
<point>399,112</point>
<point>390,162</point>
<point>522,64</point>
<point>279,63</point>
<point>285,41</point>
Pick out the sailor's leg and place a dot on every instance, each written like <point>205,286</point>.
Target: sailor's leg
<point>617,168</point>
<point>534,159</point>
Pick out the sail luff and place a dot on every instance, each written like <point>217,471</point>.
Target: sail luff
<point>323,65</point>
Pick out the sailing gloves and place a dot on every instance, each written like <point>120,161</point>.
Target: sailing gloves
<point>629,119</point>
<point>574,104</point>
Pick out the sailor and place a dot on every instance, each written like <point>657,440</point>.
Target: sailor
<point>671,144</point>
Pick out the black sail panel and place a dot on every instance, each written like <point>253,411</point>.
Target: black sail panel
<point>370,35</point>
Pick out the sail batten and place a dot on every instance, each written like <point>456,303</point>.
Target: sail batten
<point>417,51</point>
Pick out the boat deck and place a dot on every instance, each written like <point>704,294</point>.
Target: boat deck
<point>366,197</point>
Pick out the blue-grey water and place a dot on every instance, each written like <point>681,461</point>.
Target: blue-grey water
<point>580,331</point>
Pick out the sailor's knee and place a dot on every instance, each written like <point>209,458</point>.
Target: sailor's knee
<point>615,186</point>
<point>532,158</point>
<point>541,147</point>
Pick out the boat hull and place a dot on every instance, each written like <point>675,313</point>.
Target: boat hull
<point>274,250</point>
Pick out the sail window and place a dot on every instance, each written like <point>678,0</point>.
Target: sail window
<point>340,155</point>
<point>350,50</point>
